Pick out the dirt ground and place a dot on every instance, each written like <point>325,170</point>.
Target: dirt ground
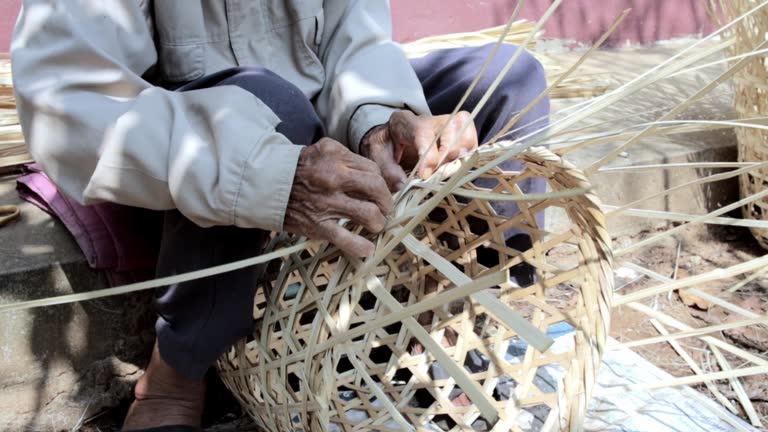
<point>694,252</point>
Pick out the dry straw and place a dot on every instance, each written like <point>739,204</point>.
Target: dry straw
<point>13,151</point>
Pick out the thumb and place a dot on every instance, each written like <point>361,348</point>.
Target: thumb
<point>393,174</point>
<point>391,170</point>
<point>352,244</point>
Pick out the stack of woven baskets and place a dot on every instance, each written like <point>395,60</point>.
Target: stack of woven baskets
<point>752,102</point>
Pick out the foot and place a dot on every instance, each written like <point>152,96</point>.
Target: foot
<point>163,397</point>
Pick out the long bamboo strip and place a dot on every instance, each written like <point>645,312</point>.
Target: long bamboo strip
<point>755,264</point>
<point>695,291</point>
<point>741,394</point>
<point>733,70</point>
<point>155,283</point>
<point>691,333</point>
<point>669,321</point>
<point>753,277</point>
<point>698,219</point>
<point>682,217</point>
<point>677,382</point>
<point>516,118</point>
<point>695,367</point>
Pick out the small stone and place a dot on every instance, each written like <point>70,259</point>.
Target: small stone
<point>693,300</point>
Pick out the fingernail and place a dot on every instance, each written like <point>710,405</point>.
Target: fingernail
<point>427,173</point>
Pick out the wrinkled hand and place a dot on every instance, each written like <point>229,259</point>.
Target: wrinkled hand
<point>399,144</point>
<point>332,183</point>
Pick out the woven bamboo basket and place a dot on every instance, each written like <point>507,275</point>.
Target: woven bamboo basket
<point>337,349</point>
<point>751,102</point>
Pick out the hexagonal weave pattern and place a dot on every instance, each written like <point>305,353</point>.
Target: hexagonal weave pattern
<point>426,339</point>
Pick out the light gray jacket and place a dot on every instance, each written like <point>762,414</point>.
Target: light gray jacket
<point>86,75</point>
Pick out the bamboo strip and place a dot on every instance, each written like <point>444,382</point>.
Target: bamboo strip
<point>691,333</point>
<point>495,307</point>
<point>155,283</point>
<point>677,382</point>
<point>695,367</point>
<point>706,296</point>
<point>516,118</point>
<point>682,217</point>
<point>674,112</point>
<point>757,275</point>
<point>755,264</point>
<point>741,394</point>
<point>698,219</point>
<point>697,182</point>
<point>667,320</point>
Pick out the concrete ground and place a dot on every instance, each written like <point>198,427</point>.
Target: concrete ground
<point>61,365</point>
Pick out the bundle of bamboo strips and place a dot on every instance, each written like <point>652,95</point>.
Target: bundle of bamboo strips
<point>13,150</point>
<point>588,82</point>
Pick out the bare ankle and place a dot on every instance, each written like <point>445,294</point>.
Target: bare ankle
<point>164,397</point>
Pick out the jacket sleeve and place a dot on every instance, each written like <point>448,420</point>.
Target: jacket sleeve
<point>103,133</point>
<point>368,76</point>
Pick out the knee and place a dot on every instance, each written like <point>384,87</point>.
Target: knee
<point>526,72</point>
<point>299,121</point>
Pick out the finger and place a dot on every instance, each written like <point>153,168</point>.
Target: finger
<point>449,147</point>
<point>394,175</point>
<point>412,135</point>
<point>364,213</point>
<point>391,170</point>
<point>369,187</point>
<point>351,244</point>
<point>389,166</point>
<point>429,162</point>
<point>362,163</point>
<point>469,139</point>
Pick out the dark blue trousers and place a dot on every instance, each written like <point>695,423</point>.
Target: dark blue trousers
<point>200,320</point>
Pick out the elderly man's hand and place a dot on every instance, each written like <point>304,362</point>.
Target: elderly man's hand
<point>332,183</point>
<point>399,144</point>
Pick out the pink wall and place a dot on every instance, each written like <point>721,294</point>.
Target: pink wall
<point>8,11</point>
<point>582,20</point>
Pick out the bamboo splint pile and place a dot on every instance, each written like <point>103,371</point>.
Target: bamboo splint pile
<point>12,148</point>
<point>586,82</point>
